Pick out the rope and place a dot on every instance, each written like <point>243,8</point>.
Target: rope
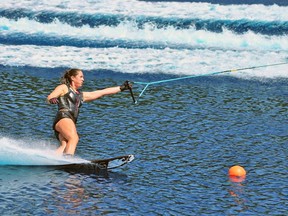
<point>193,76</point>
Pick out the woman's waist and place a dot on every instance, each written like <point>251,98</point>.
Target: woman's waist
<point>70,111</point>
<point>64,110</point>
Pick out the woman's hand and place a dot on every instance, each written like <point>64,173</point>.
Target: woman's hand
<point>53,101</point>
<point>126,86</point>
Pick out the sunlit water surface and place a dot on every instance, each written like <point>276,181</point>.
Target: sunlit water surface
<point>184,136</point>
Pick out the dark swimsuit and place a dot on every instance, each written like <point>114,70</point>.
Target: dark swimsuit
<point>68,107</point>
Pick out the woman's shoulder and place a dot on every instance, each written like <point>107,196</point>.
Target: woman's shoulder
<point>63,88</point>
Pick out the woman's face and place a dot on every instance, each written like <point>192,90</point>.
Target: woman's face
<point>78,80</point>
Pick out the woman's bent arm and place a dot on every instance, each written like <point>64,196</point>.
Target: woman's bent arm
<point>58,91</point>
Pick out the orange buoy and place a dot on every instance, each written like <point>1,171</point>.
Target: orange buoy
<point>237,171</point>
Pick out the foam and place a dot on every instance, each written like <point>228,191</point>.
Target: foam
<point>127,31</point>
<point>185,51</point>
<point>169,61</point>
<point>163,9</point>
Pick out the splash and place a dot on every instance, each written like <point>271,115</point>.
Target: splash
<point>19,152</point>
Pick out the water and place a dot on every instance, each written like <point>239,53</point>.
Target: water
<point>185,134</point>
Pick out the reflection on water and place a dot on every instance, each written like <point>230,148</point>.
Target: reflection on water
<point>237,192</point>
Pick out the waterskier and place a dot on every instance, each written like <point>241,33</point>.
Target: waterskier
<point>69,99</point>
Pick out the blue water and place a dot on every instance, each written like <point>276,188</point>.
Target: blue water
<point>185,134</point>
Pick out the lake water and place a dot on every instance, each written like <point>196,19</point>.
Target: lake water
<point>185,134</point>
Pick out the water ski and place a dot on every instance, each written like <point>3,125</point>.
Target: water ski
<point>98,165</point>
<point>70,164</point>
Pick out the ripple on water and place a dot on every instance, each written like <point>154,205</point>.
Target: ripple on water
<point>184,137</point>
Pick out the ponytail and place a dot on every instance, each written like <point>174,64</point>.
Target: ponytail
<point>66,78</point>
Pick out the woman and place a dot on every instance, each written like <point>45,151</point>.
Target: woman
<point>69,100</point>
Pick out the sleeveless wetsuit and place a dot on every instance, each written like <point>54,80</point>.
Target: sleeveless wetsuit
<point>68,107</point>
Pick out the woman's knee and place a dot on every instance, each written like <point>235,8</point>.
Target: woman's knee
<point>75,137</point>
<point>68,138</point>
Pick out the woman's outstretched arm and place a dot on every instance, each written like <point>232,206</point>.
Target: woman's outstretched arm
<point>90,96</point>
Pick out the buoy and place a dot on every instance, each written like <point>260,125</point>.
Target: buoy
<point>237,174</point>
<point>237,171</point>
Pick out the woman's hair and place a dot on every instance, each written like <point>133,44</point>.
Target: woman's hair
<point>66,78</point>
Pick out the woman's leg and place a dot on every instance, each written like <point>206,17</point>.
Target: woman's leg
<point>67,129</point>
<point>63,144</point>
